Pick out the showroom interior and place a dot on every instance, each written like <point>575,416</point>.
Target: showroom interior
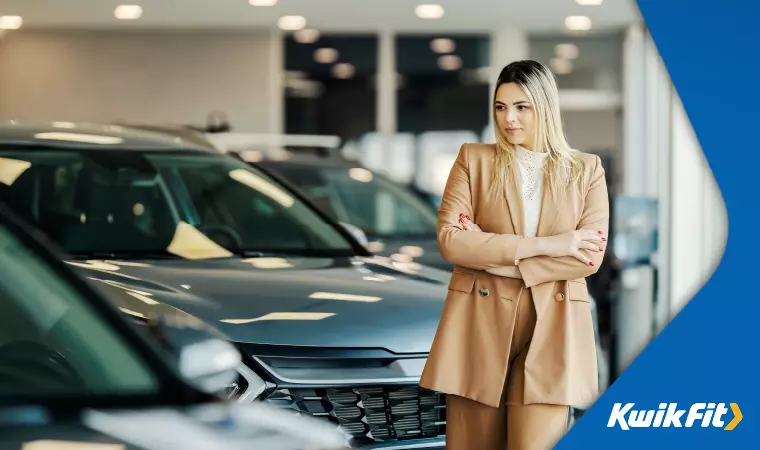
<point>359,109</point>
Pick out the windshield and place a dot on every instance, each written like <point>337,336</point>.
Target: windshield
<point>377,205</point>
<point>153,204</point>
<point>52,342</point>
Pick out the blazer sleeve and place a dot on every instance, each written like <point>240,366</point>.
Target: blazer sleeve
<point>595,216</point>
<point>480,251</point>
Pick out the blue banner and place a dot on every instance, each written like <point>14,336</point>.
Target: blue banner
<point>695,385</point>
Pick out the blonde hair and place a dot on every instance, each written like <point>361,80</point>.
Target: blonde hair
<point>565,168</point>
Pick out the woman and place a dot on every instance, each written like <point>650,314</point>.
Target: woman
<point>524,221</point>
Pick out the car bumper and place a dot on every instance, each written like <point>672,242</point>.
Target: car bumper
<point>433,444</point>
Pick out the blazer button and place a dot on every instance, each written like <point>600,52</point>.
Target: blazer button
<point>484,292</point>
<point>559,296</point>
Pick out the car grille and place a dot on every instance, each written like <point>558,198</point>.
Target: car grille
<point>371,414</point>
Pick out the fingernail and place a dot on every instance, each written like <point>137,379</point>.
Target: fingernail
<point>601,249</point>
<point>599,232</point>
<point>468,217</point>
<point>604,239</point>
<point>591,264</point>
<point>465,228</point>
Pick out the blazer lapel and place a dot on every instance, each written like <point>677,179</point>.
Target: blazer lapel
<point>549,211</point>
<point>513,193</point>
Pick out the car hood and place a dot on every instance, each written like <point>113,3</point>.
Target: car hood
<point>326,302</point>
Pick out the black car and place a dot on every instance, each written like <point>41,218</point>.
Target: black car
<point>74,371</point>
<point>325,327</point>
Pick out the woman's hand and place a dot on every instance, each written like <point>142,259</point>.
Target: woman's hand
<point>572,242</point>
<point>468,224</point>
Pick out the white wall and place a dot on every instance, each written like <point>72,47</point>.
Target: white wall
<point>145,76</point>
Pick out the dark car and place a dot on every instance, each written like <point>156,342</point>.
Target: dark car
<point>73,371</point>
<point>325,327</point>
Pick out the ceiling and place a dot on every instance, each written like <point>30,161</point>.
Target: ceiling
<point>326,15</point>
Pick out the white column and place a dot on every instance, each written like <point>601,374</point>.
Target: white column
<point>699,225</point>
<point>646,163</point>
<point>386,93</point>
<point>634,116</point>
<point>508,44</point>
<point>276,80</point>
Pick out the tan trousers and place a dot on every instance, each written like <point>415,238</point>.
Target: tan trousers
<point>471,425</point>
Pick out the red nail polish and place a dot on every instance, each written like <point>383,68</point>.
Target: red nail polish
<point>601,249</point>
<point>599,232</point>
<point>591,264</point>
<point>465,228</point>
<point>604,239</point>
<point>468,217</point>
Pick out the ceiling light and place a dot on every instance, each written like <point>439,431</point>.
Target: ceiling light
<point>450,62</point>
<point>292,23</point>
<point>326,55</point>
<point>128,12</point>
<point>441,45</point>
<point>561,66</point>
<point>11,22</point>
<point>262,2</point>
<point>589,2</point>
<point>578,23</point>
<point>343,71</point>
<point>566,51</point>
<point>429,11</point>
<point>306,36</point>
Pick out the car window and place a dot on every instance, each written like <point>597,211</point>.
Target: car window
<point>378,206</point>
<point>192,205</point>
<point>52,341</point>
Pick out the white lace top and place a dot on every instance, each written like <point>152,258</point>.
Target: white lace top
<point>532,177</point>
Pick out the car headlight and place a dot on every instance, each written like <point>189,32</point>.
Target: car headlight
<point>247,388</point>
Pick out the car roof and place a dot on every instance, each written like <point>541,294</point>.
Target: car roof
<point>67,135</point>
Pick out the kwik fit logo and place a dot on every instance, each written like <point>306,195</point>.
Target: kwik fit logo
<point>669,415</point>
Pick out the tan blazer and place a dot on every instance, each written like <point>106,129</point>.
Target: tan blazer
<point>471,348</point>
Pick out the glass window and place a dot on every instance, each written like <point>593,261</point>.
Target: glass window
<point>51,341</point>
<point>191,205</point>
<point>444,83</point>
<point>330,85</point>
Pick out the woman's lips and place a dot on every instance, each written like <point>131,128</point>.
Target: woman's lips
<point>512,130</point>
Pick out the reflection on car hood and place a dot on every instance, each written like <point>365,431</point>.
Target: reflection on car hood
<point>326,302</point>
<point>224,425</point>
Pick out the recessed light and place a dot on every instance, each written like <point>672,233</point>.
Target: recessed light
<point>292,23</point>
<point>326,55</point>
<point>306,36</point>
<point>343,71</point>
<point>566,51</point>
<point>561,66</point>
<point>589,2</point>
<point>128,12</point>
<point>578,23</point>
<point>429,11</point>
<point>11,22</point>
<point>442,45</point>
<point>262,2</point>
<point>450,62</point>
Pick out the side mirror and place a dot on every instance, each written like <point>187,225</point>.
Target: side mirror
<point>356,232</point>
<point>210,366</point>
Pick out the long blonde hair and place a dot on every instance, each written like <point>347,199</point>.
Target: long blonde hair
<point>565,168</point>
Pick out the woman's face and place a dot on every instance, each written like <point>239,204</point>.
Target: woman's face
<point>515,115</point>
